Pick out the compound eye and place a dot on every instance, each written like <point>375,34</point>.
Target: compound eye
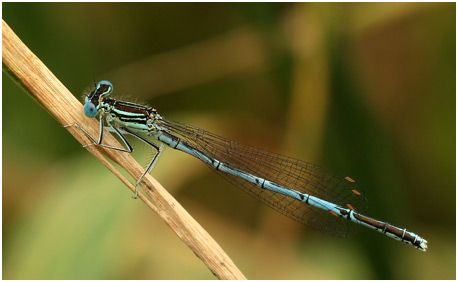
<point>104,87</point>
<point>90,109</point>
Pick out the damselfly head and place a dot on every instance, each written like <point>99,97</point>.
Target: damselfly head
<point>92,101</point>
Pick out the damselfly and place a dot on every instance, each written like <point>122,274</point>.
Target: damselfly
<point>302,191</point>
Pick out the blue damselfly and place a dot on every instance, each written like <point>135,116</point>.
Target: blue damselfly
<point>305,192</point>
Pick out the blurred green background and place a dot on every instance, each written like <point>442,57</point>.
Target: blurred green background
<point>364,89</point>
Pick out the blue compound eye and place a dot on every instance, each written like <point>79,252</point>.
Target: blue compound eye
<point>90,109</point>
<point>104,87</point>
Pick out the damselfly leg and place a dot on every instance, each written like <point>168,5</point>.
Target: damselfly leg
<point>154,159</point>
<point>112,128</point>
<point>119,132</point>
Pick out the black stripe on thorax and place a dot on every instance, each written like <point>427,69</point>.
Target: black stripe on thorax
<point>131,108</point>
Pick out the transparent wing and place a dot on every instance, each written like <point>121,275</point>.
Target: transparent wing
<point>289,172</point>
